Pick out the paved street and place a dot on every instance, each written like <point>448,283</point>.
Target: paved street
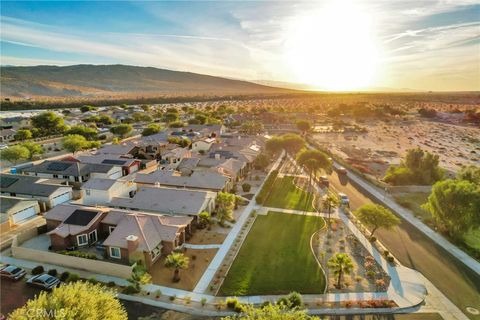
<point>417,251</point>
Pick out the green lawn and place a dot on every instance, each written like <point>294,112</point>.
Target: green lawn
<point>413,202</point>
<point>276,258</point>
<point>286,195</point>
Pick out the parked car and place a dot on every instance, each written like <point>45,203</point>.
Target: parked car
<point>344,199</point>
<point>44,281</point>
<point>324,181</point>
<point>342,170</point>
<point>12,272</point>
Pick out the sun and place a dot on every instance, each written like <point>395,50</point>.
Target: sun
<point>333,48</point>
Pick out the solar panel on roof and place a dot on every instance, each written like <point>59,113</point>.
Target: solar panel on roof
<point>6,182</point>
<point>58,166</point>
<point>111,161</point>
<point>81,217</point>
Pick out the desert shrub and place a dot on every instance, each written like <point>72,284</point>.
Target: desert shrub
<point>172,298</point>
<point>92,280</point>
<point>370,274</point>
<point>386,253</point>
<point>38,270</point>
<point>79,254</point>
<point>231,302</point>
<point>372,239</point>
<point>390,259</point>
<point>380,284</point>
<point>130,290</point>
<point>187,300</point>
<point>111,284</point>
<point>203,301</point>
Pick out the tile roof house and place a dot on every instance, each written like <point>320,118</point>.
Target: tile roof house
<point>200,179</point>
<point>7,135</point>
<point>232,168</point>
<point>15,210</point>
<point>73,226</point>
<point>168,201</point>
<point>129,165</point>
<point>47,194</point>
<point>74,171</point>
<point>145,237</point>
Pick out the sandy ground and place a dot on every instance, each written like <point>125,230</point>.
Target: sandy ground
<point>456,145</point>
<point>188,277</point>
<point>205,236</point>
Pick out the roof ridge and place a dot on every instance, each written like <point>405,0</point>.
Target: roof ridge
<point>141,231</point>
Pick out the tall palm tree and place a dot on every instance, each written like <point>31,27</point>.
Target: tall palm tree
<point>330,202</point>
<point>340,263</point>
<point>311,166</point>
<point>176,261</point>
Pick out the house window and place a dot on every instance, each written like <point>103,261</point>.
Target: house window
<point>55,175</point>
<point>110,229</point>
<point>115,252</point>
<point>82,240</point>
<point>92,236</point>
<point>156,251</point>
<point>66,177</point>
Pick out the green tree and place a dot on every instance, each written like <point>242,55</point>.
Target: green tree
<point>105,119</point>
<point>329,203</point>
<point>274,145</point>
<point>76,300</point>
<point>252,127</point>
<point>225,205</point>
<point>271,312</point>
<point>48,123</point>
<point>201,118</point>
<point>176,124</point>
<point>145,107</point>
<point>86,108</point>
<point>456,205</point>
<point>312,161</point>
<point>33,148</point>
<point>304,125</point>
<point>121,130</point>
<point>470,173</point>
<point>261,162</point>
<point>140,276</point>
<point>170,117</point>
<point>15,153</point>
<point>151,129</point>
<point>23,134</point>
<point>141,117</point>
<point>176,261</point>
<point>375,216</point>
<point>340,264</point>
<point>88,133</point>
<point>293,143</point>
<point>76,142</point>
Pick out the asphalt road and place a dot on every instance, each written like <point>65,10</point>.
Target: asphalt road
<point>417,251</point>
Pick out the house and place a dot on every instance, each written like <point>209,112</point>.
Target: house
<point>100,191</point>
<point>145,237</point>
<point>187,166</point>
<point>118,149</point>
<point>74,171</point>
<point>203,145</point>
<point>15,210</point>
<point>48,195</point>
<point>201,179</point>
<point>129,165</point>
<point>167,201</point>
<point>232,168</point>
<point>7,135</point>
<point>174,156</point>
<point>73,226</point>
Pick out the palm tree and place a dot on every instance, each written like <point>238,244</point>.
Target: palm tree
<point>176,261</point>
<point>340,263</point>
<point>311,166</point>
<point>330,202</point>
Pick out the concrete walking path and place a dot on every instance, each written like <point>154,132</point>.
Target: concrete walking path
<point>201,246</point>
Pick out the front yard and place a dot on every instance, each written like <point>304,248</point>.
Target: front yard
<point>286,193</point>
<point>276,258</point>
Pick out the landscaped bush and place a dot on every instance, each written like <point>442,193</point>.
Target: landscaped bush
<point>390,259</point>
<point>262,195</point>
<point>246,187</point>
<point>386,253</point>
<point>372,239</point>
<point>72,277</point>
<point>38,270</point>
<point>231,302</point>
<point>370,274</point>
<point>92,280</point>
<point>130,290</point>
<point>53,272</point>
<point>79,254</point>
<point>111,284</point>
<point>203,301</point>
<point>64,276</point>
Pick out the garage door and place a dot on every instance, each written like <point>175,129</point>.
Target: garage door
<point>23,215</point>
<point>61,199</point>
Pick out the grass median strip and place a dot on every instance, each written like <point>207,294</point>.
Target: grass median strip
<point>276,258</point>
<point>286,195</point>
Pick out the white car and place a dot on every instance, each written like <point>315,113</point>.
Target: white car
<point>344,199</point>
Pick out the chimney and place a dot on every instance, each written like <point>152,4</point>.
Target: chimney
<point>132,243</point>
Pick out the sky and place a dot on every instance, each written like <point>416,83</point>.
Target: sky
<point>329,45</point>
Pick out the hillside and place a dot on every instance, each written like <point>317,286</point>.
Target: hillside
<point>113,80</point>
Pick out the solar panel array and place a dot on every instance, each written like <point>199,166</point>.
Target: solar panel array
<point>112,161</point>
<point>6,182</point>
<point>81,217</point>
<point>58,166</point>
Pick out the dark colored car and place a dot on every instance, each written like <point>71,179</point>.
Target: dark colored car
<point>12,272</point>
<point>44,281</point>
<point>342,170</point>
